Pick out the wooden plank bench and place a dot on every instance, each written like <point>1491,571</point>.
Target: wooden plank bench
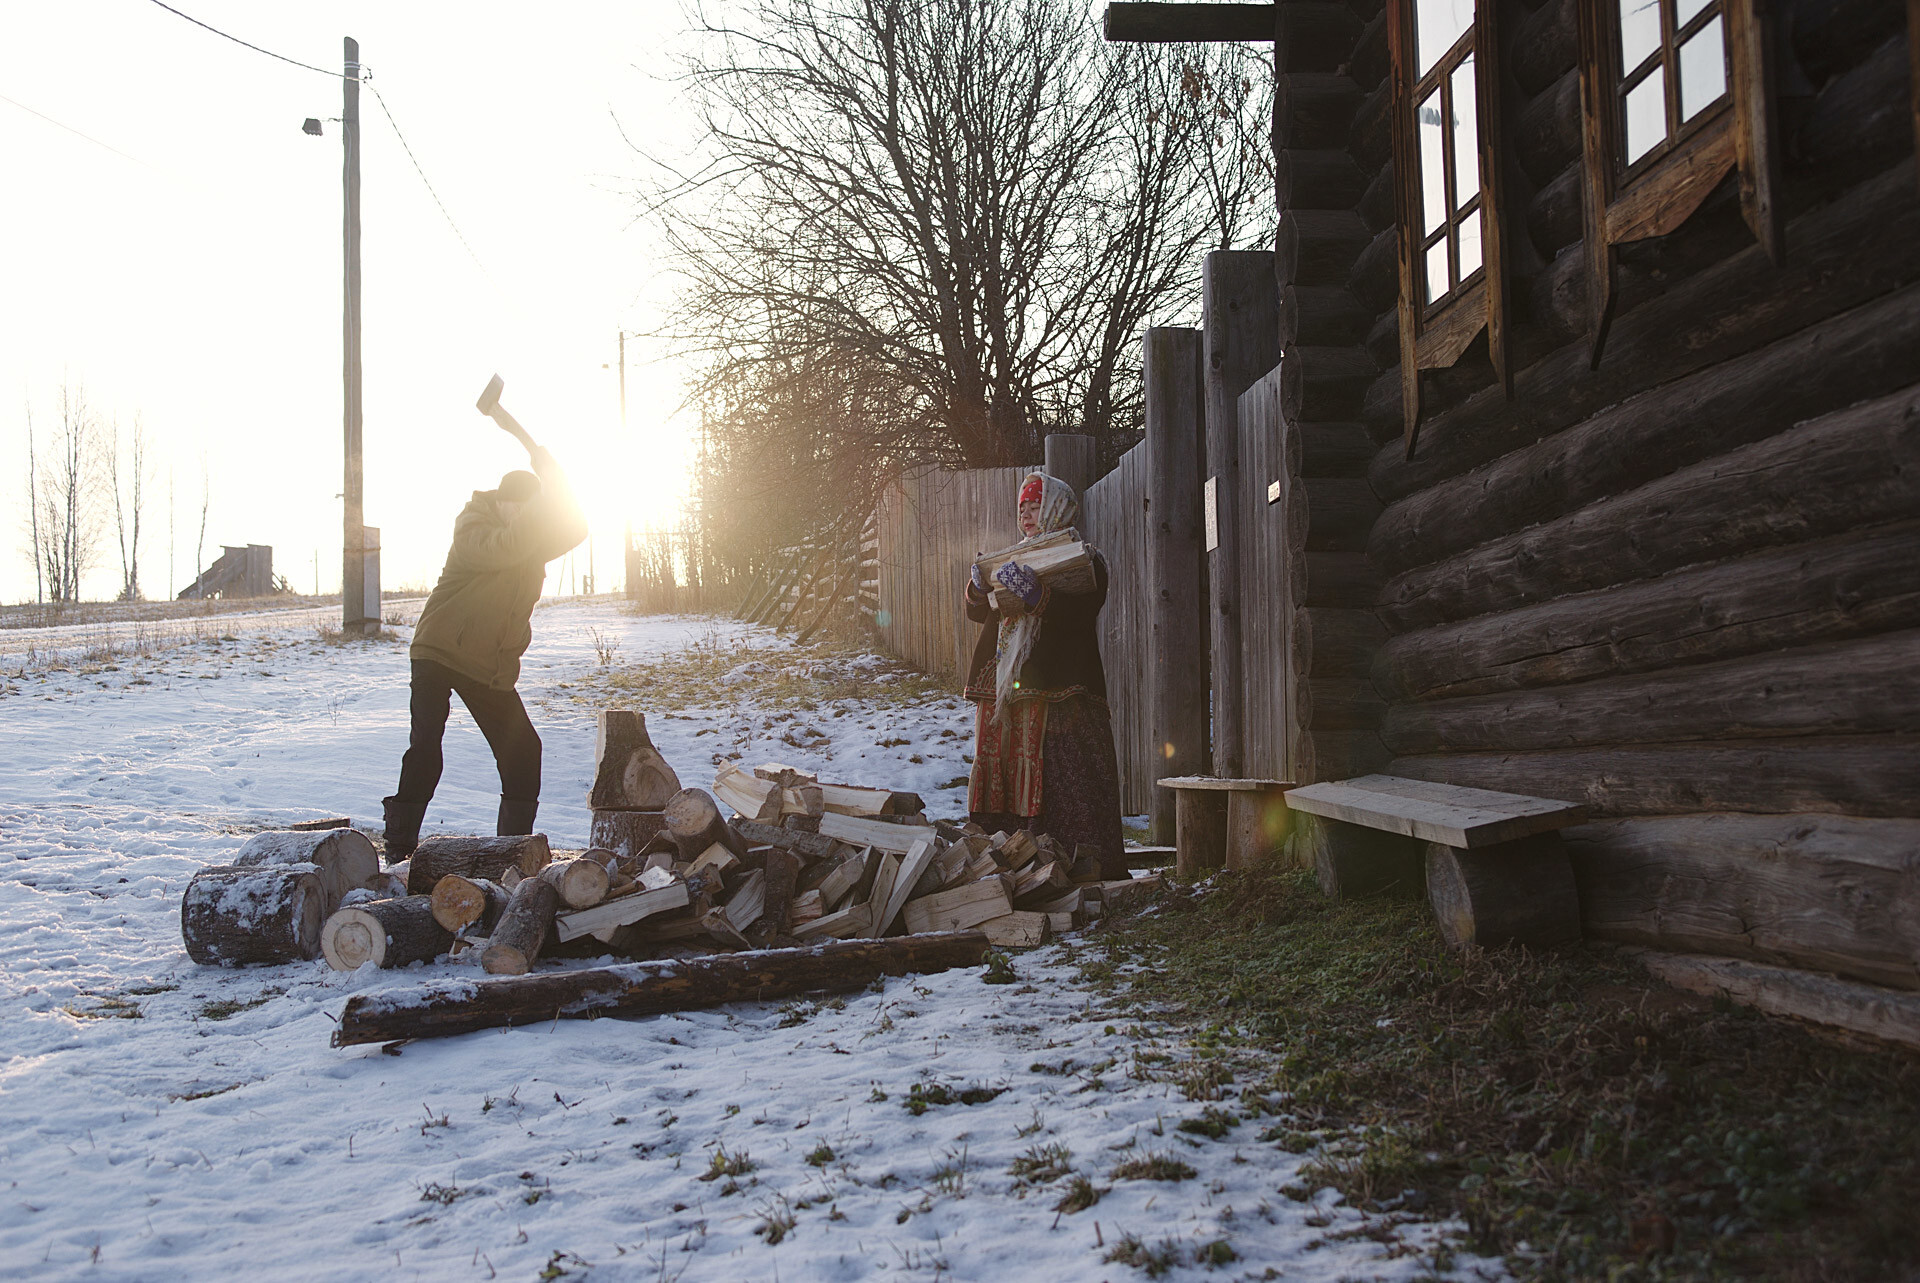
<point>1236,823</point>
<point>1493,864</point>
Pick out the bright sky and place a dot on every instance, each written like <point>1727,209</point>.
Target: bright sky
<point>195,280</point>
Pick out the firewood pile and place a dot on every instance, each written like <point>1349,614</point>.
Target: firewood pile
<point>771,858</point>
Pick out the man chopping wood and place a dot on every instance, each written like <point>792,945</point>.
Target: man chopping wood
<point>474,629</point>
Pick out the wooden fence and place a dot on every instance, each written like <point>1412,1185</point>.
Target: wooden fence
<point>1114,519</point>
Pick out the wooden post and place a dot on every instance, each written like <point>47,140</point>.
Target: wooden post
<point>1241,311</point>
<point>1177,643</point>
<point>1070,458</point>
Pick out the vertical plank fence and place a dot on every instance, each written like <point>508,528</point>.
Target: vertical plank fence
<point>1114,519</point>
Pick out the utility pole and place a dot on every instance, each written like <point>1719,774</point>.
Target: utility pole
<point>358,615</point>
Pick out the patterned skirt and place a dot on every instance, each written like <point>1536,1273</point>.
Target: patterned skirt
<point>1050,768</point>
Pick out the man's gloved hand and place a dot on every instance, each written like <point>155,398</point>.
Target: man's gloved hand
<point>1021,582</point>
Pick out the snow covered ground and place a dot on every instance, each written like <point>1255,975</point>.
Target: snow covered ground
<point>160,1120</point>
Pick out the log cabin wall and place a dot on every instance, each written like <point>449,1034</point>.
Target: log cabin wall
<point>1682,587</point>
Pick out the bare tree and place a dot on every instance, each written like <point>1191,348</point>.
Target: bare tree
<point>37,547</point>
<point>65,497</point>
<point>128,480</point>
<point>206,499</point>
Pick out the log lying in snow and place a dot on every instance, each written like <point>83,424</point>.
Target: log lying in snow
<point>648,988</point>
<point>344,858</point>
<point>523,928</point>
<point>232,916</point>
<point>628,772</point>
<point>475,858</point>
<point>387,933</point>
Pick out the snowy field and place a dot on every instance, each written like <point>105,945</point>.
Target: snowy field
<point>163,1121</point>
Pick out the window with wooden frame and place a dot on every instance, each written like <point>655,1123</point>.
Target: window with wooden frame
<point>1676,94</point>
<point>1446,107</point>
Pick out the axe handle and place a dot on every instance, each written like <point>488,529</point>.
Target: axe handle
<point>512,426</point>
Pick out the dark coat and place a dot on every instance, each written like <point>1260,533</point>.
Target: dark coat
<point>1065,655</point>
<point>478,622</point>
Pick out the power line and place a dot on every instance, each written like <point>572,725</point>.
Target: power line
<point>70,129</point>
<point>256,48</point>
<point>377,97</point>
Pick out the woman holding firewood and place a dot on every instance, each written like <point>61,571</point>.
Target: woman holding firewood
<point>1043,738</point>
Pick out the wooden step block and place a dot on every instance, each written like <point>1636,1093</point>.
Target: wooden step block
<point>1518,892</point>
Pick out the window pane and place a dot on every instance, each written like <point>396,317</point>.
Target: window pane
<point>1687,10</point>
<point>1466,136</point>
<point>1703,70</point>
<point>1433,163</point>
<point>1437,269</point>
<point>1470,245</point>
<point>1646,115</point>
<point>1639,32</point>
<point>1437,24</point>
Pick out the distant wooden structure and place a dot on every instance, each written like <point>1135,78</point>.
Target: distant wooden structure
<point>1587,466</point>
<point>239,572</point>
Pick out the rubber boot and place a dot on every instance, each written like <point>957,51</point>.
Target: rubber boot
<point>403,827</point>
<point>516,816</point>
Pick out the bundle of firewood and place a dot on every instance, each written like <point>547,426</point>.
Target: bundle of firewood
<point>1059,558</point>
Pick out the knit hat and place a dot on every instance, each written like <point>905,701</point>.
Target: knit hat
<point>518,487</point>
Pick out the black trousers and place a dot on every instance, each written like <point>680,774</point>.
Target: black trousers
<point>502,718</point>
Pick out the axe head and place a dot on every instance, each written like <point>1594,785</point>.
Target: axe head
<point>490,398</point>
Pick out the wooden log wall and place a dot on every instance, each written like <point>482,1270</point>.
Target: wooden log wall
<point>1114,518</point>
<point>1680,588</point>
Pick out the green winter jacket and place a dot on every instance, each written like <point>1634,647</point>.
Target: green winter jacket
<point>478,620</point>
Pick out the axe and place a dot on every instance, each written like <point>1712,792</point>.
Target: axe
<point>489,405</point>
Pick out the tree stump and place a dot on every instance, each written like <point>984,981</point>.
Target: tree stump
<point>1200,817</point>
<point>479,857</point>
<point>231,916</point>
<point>1518,892</point>
<point>459,902</point>
<point>345,858</point>
<point>625,832</point>
<point>387,933</point>
<point>517,937</point>
<point>1351,861</point>
<point>628,773</point>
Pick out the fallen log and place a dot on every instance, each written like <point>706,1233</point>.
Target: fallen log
<point>232,916</point>
<point>648,988</point>
<point>522,931</point>
<point>343,858</point>
<point>387,933</point>
<point>477,857</point>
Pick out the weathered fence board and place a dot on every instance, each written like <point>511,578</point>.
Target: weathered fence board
<point>1114,519</point>
<point>929,527</point>
<point>1268,669</point>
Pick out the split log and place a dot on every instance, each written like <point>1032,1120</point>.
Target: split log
<point>782,872</point>
<point>806,799</point>
<point>343,858</point>
<point>459,902</point>
<point>522,930</point>
<point>879,896</point>
<point>583,881</point>
<point>785,776</point>
<point>751,797</point>
<point>1849,585</point>
<point>231,916</point>
<point>643,989</point>
<point>808,846</point>
<point>657,893</point>
<point>807,906</point>
<point>882,836</point>
<point>1351,862</point>
<point>387,933</point>
<point>745,907</point>
<point>477,857</point>
<point>902,805</point>
<point>628,772</point>
<point>846,799</point>
<point>715,859</point>
<point>695,823</point>
<point>1519,892</point>
<point>846,876</point>
<point>1852,468</point>
<point>839,925</point>
<point>1017,930</point>
<point>960,908</point>
<point>1870,351</point>
<point>913,868</point>
<point>626,833</point>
